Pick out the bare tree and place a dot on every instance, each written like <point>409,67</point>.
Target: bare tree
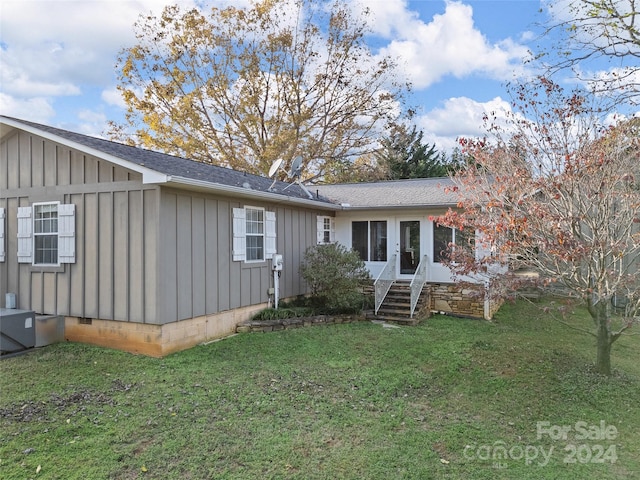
<point>243,87</point>
<point>595,30</point>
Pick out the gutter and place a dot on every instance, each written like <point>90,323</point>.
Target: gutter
<point>248,192</point>
<point>347,207</point>
<point>282,198</point>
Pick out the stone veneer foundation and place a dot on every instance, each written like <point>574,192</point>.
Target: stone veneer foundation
<point>461,300</point>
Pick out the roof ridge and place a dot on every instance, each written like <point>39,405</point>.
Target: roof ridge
<point>385,182</point>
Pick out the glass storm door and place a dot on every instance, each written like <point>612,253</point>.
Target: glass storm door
<point>409,250</point>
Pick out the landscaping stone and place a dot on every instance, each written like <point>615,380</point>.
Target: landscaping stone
<point>287,323</point>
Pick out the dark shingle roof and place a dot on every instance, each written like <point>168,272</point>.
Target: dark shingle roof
<point>420,192</point>
<point>175,166</point>
<point>424,192</point>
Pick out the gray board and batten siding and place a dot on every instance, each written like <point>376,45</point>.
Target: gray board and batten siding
<point>153,232</point>
<point>196,255</point>
<point>113,211</point>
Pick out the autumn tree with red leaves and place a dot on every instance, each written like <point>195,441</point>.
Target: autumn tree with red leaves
<point>557,194</point>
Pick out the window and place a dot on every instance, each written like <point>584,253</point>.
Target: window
<point>378,241</point>
<point>466,238</point>
<point>443,236</point>
<point>326,230</point>
<point>369,239</point>
<point>46,234</point>
<point>254,234</point>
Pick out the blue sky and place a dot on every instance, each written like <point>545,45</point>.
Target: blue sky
<point>57,57</point>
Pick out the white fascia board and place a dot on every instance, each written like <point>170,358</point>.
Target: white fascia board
<point>148,175</point>
<point>397,207</point>
<point>249,193</point>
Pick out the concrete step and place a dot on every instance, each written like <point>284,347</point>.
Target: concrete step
<point>393,312</point>
<point>400,320</point>
<point>396,303</point>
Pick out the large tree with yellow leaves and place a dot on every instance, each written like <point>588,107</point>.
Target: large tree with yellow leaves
<point>243,87</point>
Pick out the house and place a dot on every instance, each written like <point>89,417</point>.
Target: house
<point>152,253</point>
<point>389,224</point>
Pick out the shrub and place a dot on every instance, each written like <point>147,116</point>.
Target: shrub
<point>282,313</point>
<point>335,277</point>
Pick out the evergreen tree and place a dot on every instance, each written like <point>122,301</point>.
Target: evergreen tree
<point>404,155</point>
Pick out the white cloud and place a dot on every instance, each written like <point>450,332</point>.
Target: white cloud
<point>52,49</point>
<point>67,48</point>
<point>67,41</point>
<point>90,116</point>
<point>460,117</point>
<point>528,36</point>
<point>91,123</point>
<point>36,108</point>
<point>57,56</point>
<point>614,81</point>
<point>450,44</point>
<point>112,96</point>
<point>387,18</point>
<point>18,80</point>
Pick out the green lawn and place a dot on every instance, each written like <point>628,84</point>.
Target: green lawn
<point>355,401</point>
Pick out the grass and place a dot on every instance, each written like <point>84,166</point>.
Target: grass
<point>355,401</point>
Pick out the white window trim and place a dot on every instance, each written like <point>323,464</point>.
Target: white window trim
<point>239,248</point>
<point>256,235</point>
<point>321,230</point>
<point>51,234</point>
<point>66,234</point>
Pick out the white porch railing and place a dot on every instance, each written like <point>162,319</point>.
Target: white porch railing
<point>417,283</point>
<point>384,281</point>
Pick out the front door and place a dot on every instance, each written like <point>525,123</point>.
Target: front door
<point>409,248</point>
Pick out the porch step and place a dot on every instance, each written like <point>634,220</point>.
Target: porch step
<point>396,307</point>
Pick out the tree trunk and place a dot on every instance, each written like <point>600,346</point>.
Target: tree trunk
<point>604,340</point>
